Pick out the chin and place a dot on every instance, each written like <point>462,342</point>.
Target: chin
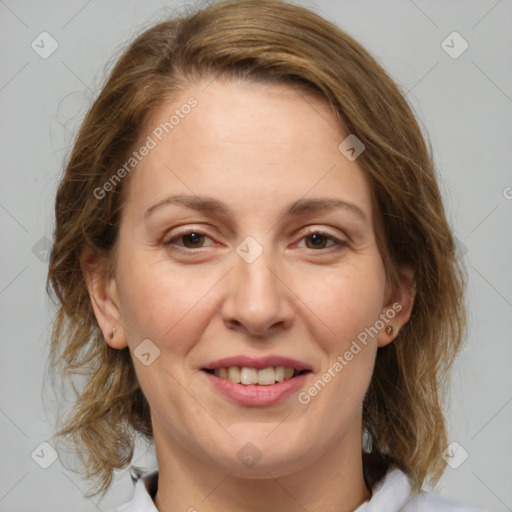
<point>260,456</point>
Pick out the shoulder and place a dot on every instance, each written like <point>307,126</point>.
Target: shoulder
<point>393,493</point>
<point>428,502</point>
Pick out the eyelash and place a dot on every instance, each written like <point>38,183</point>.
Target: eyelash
<point>172,245</point>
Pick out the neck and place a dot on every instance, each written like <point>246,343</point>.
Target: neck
<point>333,482</point>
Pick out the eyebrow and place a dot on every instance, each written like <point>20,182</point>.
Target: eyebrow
<point>299,207</point>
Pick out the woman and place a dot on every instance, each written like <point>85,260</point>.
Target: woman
<point>254,269</point>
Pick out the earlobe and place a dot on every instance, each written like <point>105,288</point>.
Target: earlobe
<point>397,311</point>
<point>102,290</point>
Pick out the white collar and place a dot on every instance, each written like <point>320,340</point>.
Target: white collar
<point>393,490</point>
<point>142,501</point>
<point>391,494</point>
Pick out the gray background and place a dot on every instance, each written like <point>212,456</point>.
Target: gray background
<point>464,103</point>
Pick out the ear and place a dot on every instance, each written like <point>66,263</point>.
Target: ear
<point>102,290</point>
<point>397,307</point>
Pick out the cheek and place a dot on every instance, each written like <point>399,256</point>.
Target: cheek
<point>344,301</point>
<point>350,306</point>
<point>161,302</point>
<point>344,307</point>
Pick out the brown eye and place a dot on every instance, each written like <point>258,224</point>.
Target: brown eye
<point>189,240</point>
<point>193,240</point>
<point>317,241</point>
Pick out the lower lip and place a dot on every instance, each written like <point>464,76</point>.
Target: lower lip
<point>253,395</point>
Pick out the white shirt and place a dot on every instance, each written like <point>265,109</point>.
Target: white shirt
<point>391,494</point>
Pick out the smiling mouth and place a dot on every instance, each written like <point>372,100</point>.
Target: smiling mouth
<point>252,376</point>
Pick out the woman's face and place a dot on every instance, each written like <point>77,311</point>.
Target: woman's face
<point>247,236</point>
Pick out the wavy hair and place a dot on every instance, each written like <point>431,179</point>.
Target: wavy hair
<point>275,42</point>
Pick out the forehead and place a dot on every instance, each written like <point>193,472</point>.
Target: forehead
<point>245,141</point>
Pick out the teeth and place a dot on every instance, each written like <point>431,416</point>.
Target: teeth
<point>248,376</point>
<point>267,376</point>
<point>233,374</point>
<point>280,372</point>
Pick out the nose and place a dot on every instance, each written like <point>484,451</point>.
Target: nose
<point>258,301</point>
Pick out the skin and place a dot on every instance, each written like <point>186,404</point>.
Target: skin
<point>257,149</point>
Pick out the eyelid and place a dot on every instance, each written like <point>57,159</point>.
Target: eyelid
<point>338,241</point>
<point>308,231</point>
<point>170,240</point>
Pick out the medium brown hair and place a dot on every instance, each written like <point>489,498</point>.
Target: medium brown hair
<point>265,41</point>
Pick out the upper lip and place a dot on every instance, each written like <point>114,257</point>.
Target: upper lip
<point>258,362</point>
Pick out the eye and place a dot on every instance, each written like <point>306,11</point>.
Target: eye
<point>190,240</point>
<point>318,240</point>
<point>315,240</point>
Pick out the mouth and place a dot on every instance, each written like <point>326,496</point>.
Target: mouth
<point>249,376</point>
<point>257,387</point>
<point>256,381</point>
